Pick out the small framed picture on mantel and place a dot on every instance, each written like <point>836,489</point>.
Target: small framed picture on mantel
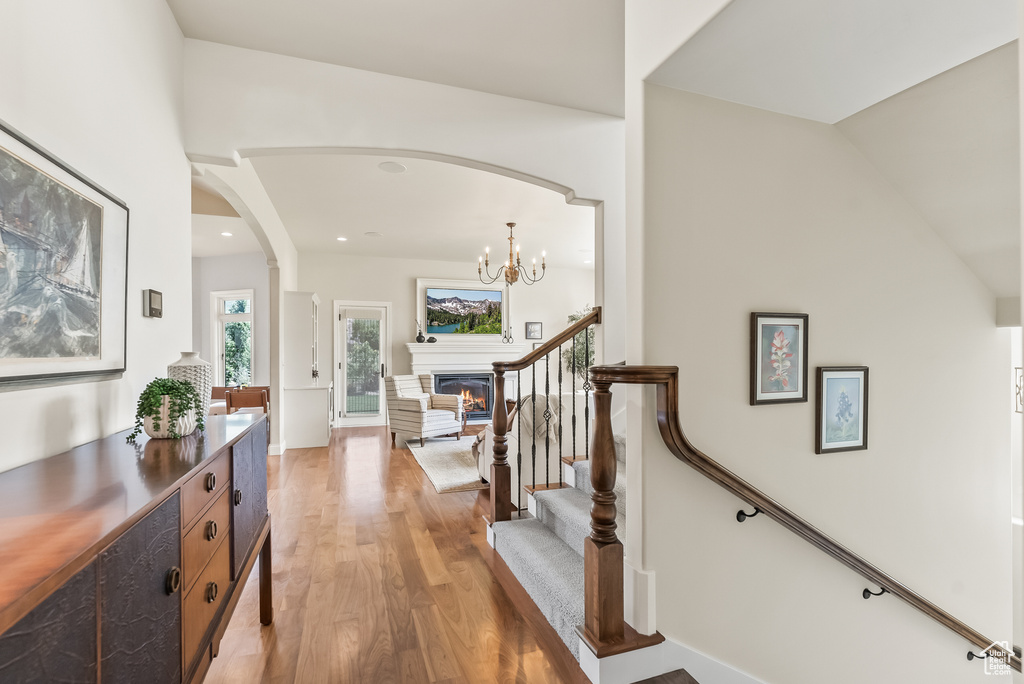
<point>778,358</point>
<point>534,331</point>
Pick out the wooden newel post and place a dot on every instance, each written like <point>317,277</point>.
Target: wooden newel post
<point>501,473</point>
<point>602,551</point>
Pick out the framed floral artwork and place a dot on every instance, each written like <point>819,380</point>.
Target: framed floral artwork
<point>841,409</point>
<point>778,358</point>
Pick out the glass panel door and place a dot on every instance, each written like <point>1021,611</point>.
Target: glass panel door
<point>361,368</point>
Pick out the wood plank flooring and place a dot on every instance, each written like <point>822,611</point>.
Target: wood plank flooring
<point>378,579</point>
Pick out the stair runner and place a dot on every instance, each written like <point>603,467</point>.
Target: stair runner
<point>545,553</point>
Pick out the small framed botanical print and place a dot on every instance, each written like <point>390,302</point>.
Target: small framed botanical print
<point>778,358</point>
<point>841,409</point>
<point>534,331</point>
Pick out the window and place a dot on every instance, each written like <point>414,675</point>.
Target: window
<point>232,337</point>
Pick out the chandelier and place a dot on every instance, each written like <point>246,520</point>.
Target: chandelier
<point>512,270</point>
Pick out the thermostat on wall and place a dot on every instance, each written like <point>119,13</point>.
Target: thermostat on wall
<point>152,304</point>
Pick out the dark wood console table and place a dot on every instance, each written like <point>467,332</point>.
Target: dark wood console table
<point>123,562</point>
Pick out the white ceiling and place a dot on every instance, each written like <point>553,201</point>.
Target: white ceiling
<point>568,52</point>
<point>207,240</point>
<point>950,146</point>
<point>434,210</point>
<point>828,59</point>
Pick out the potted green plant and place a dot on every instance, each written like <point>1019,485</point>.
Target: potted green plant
<point>579,363</point>
<point>168,409</point>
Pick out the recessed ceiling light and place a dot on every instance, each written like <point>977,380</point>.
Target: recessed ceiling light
<point>341,239</point>
<point>226,234</point>
<point>373,233</point>
<point>586,261</point>
<point>391,167</point>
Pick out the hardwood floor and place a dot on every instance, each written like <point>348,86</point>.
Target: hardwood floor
<point>377,579</point>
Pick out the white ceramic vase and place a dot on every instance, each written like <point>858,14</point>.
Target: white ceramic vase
<point>196,371</point>
<point>186,423</point>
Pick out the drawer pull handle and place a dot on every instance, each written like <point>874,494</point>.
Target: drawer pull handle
<point>173,580</point>
<point>211,530</point>
<point>211,592</point>
<point>238,497</point>
<point>211,481</point>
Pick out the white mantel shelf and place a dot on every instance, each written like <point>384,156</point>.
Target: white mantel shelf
<point>461,357</point>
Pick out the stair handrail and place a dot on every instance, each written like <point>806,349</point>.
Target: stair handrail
<point>666,380</point>
<point>501,477</point>
<point>592,317</point>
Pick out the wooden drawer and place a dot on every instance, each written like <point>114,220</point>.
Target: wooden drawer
<point>206,535</point>
<point>199,610</point>
<point>197,492</point>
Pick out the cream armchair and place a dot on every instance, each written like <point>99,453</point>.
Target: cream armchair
<point>414,409</point>
<point>528,421</point>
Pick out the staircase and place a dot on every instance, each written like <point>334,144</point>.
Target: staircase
<point>544,549</point>
<point>567,551</point>
<point>566,548</point>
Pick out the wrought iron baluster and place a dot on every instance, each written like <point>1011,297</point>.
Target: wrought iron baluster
<point>559,415</point>
<point>547,420</point>
<point>586,393</point>
<point>533,422</point>
<point>574,396</point>
<point>519,443</point>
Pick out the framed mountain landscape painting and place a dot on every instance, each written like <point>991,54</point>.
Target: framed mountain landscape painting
<point>841,409</point>
<point>63,268</point>
<point>778,358</point>
<point>457,309</point>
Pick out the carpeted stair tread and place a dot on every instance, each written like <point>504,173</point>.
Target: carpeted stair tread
<point>582,473</point>
<point>566,512</point>
<point>549,570</point>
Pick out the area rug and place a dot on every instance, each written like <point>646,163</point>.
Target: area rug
<point>449,464</point>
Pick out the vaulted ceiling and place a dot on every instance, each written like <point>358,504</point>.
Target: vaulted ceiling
<point>568,52</point>
<point>926,89</point>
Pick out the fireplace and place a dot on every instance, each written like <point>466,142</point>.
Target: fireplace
<point>477,390</point>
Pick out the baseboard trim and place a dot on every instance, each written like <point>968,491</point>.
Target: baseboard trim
<point>490,533</point>
<point>639,605</point>
<point>663,658</point>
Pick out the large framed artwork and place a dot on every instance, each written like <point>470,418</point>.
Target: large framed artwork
<point>778,358</point>
<point>457,309</point>
<point>841,409</point>
<point>63,269</point>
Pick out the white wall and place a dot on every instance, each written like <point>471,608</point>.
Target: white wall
<point>243,102</point>
<point>99,84</point>
<point>562,292</point>
<point>752,211</point>
<point>235,272</point>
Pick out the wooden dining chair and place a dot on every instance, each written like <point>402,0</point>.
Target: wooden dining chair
<point>218,401</point>
<point>250,400</point>
<point>247,400</point>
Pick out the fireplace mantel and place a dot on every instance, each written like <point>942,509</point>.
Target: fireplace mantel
<point>455,357</point>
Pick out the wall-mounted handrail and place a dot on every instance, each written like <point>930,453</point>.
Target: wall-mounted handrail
<point>501,474</point>
<point>666,380</point>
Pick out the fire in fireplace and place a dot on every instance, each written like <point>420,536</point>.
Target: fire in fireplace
<point>476,390</point>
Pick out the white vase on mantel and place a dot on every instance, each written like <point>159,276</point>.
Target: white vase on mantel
<point>186,423</point>
<point>193,369</point>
